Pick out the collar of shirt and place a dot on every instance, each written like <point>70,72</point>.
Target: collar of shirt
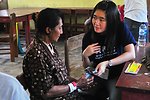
<point>50,47</point>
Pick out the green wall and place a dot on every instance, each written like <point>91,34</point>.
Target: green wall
<point>55,3</point>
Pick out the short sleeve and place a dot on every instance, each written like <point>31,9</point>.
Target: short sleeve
<point>125,36</point>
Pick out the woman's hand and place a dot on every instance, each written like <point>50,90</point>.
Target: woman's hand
<point>101,67</point>
<point>84,82</point>
<point>91,49</point>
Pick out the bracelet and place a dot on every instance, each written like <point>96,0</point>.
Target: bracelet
<point>72,86</point>
<point>109,63</point>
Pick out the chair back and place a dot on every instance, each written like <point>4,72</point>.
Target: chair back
<point>72,43</point>
<point>11,37</point>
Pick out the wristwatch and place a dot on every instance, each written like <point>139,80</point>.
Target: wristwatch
<point>109,63</point>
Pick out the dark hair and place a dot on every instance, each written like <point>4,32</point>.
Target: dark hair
<point>48,17</point>
<point>112,19</point>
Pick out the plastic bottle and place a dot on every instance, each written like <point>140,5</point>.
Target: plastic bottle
<point>142,39</point>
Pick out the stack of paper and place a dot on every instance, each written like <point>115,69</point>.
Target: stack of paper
<point>133,68</point>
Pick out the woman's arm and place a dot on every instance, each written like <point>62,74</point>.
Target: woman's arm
<point>90,49</point>
<point>86,61</point>
<point>57,90</point>
<point>129,54</point>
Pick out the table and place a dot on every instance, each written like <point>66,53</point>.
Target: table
<point>74,18</point>
<point>25,15</point>
<point>135,87</point>
<point>22,15</point>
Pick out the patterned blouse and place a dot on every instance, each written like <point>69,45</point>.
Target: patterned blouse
<point>42,70</point>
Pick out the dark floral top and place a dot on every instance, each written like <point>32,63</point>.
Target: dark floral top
<point>43,70</point>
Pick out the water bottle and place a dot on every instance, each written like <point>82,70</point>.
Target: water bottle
<point>142,35</point>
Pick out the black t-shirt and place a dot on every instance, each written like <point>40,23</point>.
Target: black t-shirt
<point>123,38</point>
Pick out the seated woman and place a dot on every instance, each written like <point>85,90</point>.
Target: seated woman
<point>107,45</point>
<point>11,89</point>
<point>44,72</point>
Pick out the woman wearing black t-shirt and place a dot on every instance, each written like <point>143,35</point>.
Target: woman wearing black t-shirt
<point>107,45</point>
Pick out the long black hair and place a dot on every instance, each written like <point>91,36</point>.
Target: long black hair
<point>112,19</point>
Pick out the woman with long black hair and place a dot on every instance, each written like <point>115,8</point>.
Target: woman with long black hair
<point>106,46</point>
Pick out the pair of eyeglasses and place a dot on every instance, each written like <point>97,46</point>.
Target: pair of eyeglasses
<point>101,19</point>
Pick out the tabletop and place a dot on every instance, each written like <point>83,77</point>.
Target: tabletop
<point>140,81</point>
<point>29,10</point>
<point>19,11</point>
